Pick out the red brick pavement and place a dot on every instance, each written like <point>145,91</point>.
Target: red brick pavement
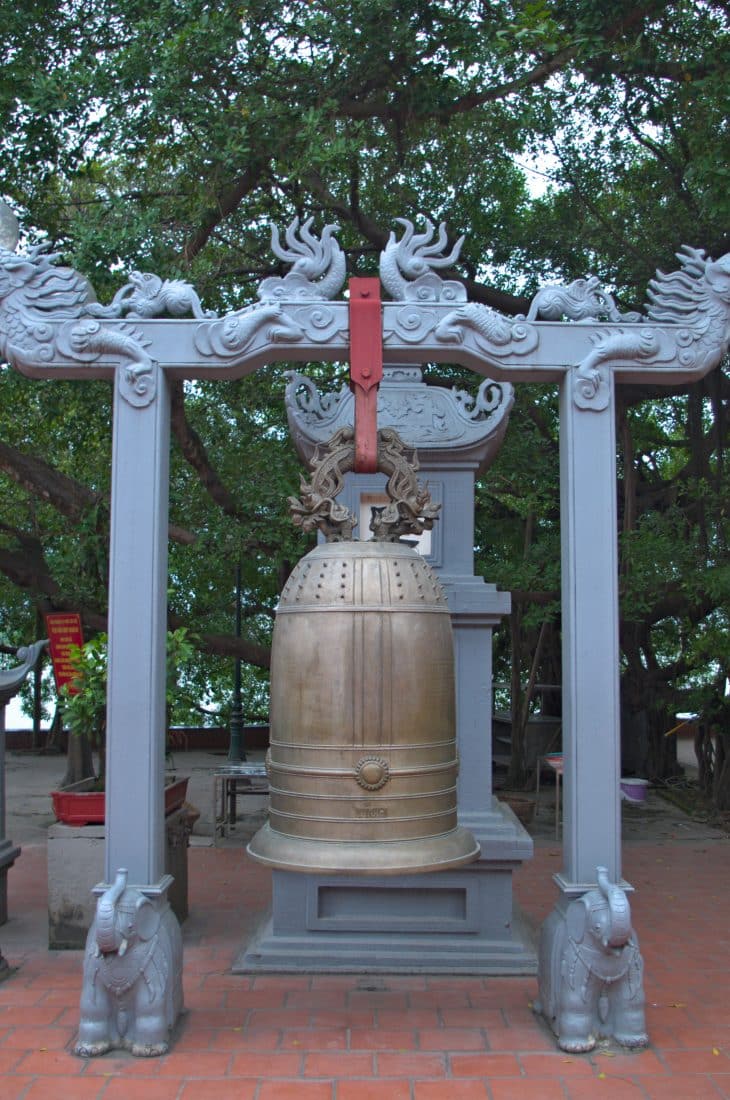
<point>409,1038</point>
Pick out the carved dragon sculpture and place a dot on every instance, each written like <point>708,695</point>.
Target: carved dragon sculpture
<point>32,283</point>
<point>408,512</point>
<point>408,271</point>
<point>408,266</point>
<point>698,295</point>
<point>694,301</point>
<point>35,291</point>
<point>491,330</point>
<point>318,265</point>
<point>582,300</point>
<point>317,507</point>
<point>147,295</point>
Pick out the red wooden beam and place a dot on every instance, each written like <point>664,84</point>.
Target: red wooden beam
<point>366,368</point>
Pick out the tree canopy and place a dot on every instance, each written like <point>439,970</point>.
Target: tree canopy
<point>561,136</point>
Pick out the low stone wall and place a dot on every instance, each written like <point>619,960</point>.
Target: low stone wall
<point>216,738</point>
<point>182,738</point>
<point>76,864</point>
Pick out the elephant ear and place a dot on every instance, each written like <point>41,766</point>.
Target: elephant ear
<point>148,919</point>
<point>576,920</point>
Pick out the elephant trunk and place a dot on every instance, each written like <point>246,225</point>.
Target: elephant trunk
<point>619,909</point>
<point>108,938</point>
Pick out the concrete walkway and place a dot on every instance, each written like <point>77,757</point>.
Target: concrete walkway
<point>355,1037</point>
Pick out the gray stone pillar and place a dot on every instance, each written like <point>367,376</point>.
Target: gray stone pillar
<point>591,741</point>
<point>589,953</point>
<point>137,636</point>
<point>133,962</point>
<point>476,608</point>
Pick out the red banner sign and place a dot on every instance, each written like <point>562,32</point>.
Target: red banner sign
<point>64,631</point>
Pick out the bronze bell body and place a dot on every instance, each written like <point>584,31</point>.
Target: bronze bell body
<point>363,763</point>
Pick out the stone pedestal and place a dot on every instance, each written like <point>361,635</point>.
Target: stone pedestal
<point>453,922</point>
<point>76,865</point>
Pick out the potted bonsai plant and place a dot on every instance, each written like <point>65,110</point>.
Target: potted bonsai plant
<point>84,705</point>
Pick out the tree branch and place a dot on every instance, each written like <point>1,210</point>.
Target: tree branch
<point>195,454</point>
<point>27,569</point>
<point>227,202</point>
<point>71,498</point>
<point>227,645</point>
<point>381,106</point>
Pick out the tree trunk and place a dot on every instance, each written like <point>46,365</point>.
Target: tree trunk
<point>721,778</point>
<point>79,760</point>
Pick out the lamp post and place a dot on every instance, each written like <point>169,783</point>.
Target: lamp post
<point>235,749</point>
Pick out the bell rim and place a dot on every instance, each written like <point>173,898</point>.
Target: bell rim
<point>284,852</point>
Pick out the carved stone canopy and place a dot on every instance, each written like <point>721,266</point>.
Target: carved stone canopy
<point>11,679</point>
<point>445,425</point>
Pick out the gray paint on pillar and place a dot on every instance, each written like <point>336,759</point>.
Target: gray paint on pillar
<point>137,635</point>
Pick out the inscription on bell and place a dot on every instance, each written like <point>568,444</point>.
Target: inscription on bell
<point>370,811</point>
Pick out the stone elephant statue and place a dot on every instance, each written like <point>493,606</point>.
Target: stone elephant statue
<point>590,971</point>
<point>132,985</point>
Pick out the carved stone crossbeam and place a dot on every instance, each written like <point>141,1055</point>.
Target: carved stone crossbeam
<point>409,512</point>
<point>49,320</point>
<point>50,323</point>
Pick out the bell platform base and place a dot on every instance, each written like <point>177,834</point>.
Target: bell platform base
<point>449,922</point>
<point>392,857</point>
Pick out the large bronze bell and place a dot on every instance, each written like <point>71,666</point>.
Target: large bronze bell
<point>362,764</point>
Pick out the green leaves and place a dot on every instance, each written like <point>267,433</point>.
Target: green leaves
<point>563,137</point>
<point>84,699</point>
